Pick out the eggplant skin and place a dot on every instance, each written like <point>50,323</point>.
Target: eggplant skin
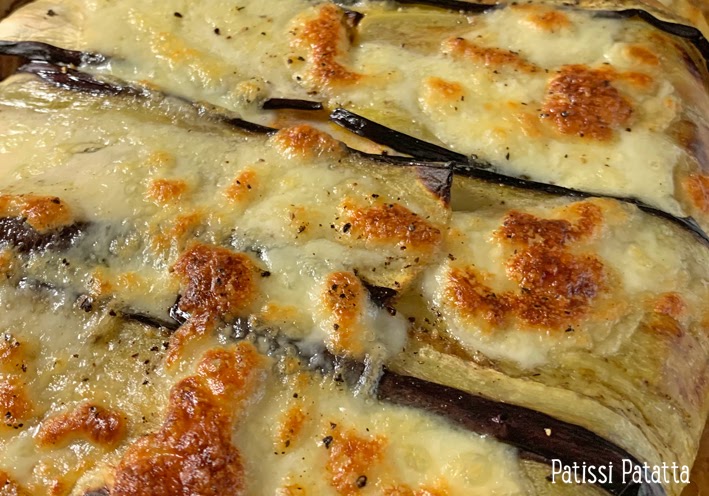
<point>37,51</point>
<point>533,432</point>
<point>21,236</point>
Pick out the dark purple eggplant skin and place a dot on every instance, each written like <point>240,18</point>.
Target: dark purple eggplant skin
<point>538,436</point>
<point>149,320</point>
<point>16,232</point>
<point>74,80</point>
<point>437,180</point>
<point>43,52</point>
<point>393,139</point>
<point>291,104</point>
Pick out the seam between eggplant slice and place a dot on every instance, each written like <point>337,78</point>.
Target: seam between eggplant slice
<point>473,167</point>
<point>423,154</point>
<point>538,436</point>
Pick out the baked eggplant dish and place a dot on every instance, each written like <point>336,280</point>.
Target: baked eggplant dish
<point>399,248</point>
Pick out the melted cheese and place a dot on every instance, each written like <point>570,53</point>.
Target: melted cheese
<point>598,115</point>
<point>285,234</point>
<point>347,445</point>
<point>520,285</point>
<point>157,183</point>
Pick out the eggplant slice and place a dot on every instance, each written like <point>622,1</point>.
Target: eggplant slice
<point>492,87</point>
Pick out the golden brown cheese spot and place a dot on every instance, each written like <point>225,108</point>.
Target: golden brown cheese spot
<point>471,296</point>
<point>447,90</point>
<point>9,487</point>
<point>290,427</point>
<point>93,422</point>
<point>216,284</point>
<point>494,58</point>
<point>327,39</point>
<point>165,191</point>
<point>345,298</point>
<point>643,55</point>
<point>668,312</point>
<point>241,189</point>
<point>192,453</point>
<point>12,356</point>
<point>185,224</point>
<point>306,142</point>
<point>215,281</point>
<point>392,222</point>
<point>15,405</point>
<point>524,228</point>
<point>549,20</point>
<point>670,304</point>
<point>697,186</point>
<point>557,287</point>
<point>43,213</point>
<point>349,458</point>
<point>581,101</point>
<point>665,325</point>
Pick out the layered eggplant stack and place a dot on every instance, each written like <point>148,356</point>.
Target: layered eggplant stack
<point>403,248</point>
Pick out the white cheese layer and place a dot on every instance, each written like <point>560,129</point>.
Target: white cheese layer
<point>477,84</point>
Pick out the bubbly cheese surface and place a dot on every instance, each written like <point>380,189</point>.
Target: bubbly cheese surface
<point>612,112</point>
<point>123,208</point>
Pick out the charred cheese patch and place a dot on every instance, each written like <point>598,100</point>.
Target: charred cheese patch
<point>304,141</point>
<point>557,287</point>
<point>15,403</point>
<point>193,453</point>
<point>491,57</point>
<point>582,101</point>
<point>43,213</point>
<point>326,39</point>
<point>527,229</point>
<point>350,457</point>
<point>391,222</point>
<point>217,284</point>
<point>95,423</point>
<point>215,281</point>
<point>166,191</point>
<point>346,299</point>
